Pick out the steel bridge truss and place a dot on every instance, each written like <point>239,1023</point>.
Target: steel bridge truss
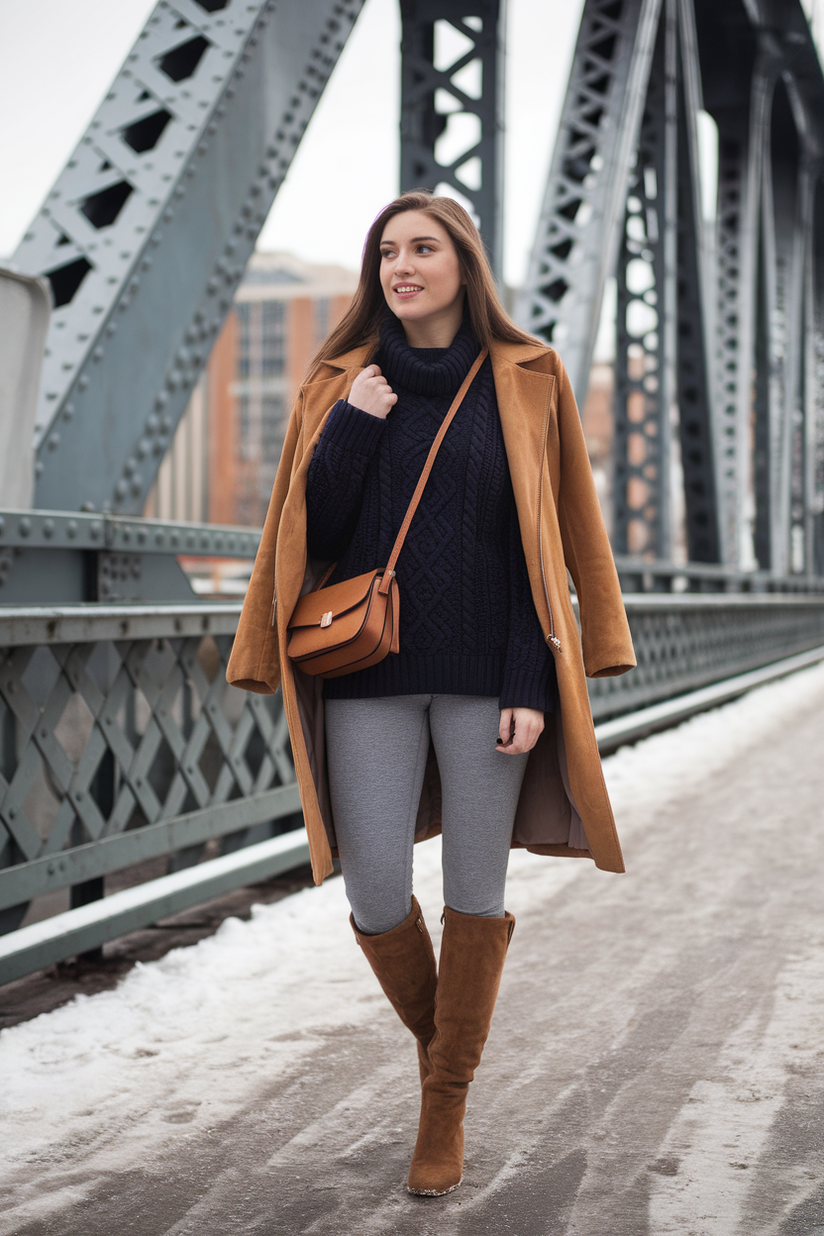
<point>149,227</point>
<point>718,375</point>
<point>452,58</point>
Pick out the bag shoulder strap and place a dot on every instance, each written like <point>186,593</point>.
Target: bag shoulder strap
<point>427,468</point>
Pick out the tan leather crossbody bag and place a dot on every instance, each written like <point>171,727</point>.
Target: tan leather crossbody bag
<point>346,627</point>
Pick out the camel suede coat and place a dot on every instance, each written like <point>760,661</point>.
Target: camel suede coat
<point>563,807</point>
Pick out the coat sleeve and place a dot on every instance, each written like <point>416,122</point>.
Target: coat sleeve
<point>254,664</point>
<point>605,634</point>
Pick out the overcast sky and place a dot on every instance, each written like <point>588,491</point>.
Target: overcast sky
<point>57,58</point>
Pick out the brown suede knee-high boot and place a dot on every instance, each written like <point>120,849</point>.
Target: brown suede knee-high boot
<point>471,962</point>
<point>404,964</point>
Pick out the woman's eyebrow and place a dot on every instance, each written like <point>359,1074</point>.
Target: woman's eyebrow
<point>415,240</point>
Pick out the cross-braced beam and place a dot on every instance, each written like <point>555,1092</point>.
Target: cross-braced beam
<point>148,229</point>
<point>718,338</point>
<point>452,106</point>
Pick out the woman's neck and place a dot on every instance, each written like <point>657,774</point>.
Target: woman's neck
<point>435,331</point>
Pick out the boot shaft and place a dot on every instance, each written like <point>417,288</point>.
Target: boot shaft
<point>473,952</point>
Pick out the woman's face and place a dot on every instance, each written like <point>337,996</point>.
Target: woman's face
<point>420,274</point>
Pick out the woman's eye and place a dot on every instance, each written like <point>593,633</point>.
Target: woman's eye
<point>425,249</point>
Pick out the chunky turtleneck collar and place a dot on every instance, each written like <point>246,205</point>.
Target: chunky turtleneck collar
<point>425,371</point>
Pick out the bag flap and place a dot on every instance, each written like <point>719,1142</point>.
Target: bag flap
<point>337,599</point>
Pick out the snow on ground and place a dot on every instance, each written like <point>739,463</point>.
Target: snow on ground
<point>190,1039</point>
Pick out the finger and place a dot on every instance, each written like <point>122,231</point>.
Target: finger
<point>505,726</point>
<point>527,733</point>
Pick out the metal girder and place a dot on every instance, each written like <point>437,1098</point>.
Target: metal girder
<point>663,311</point>
<point>452,97</point>
<point>148,229</point>
<point>579,230</point>
<point>644,372</point>
<point>718,338</point>
<point>80,929</point>
<point>52,556</point>
<point>763,86</point>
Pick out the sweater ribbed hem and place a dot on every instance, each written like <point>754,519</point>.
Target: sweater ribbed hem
<point>443,673</point>
<point>354,430</point>
<point>522,689</point>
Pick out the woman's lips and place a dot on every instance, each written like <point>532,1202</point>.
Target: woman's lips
<point>407,290</point>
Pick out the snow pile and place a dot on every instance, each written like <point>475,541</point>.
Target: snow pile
<point>187,1040</point>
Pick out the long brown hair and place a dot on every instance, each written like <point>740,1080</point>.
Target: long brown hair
<point>361,322</point>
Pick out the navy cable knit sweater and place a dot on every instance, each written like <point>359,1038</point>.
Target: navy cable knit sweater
<point>468,625</point>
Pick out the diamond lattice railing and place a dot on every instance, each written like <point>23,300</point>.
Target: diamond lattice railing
<point>120,740</point>
<point>109,738</point>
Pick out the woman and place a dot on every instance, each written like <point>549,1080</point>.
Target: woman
<point>479,725</point>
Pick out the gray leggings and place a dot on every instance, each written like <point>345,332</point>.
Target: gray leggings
<point>377,751</point>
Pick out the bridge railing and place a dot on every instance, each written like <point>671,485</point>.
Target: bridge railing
<point>134,782</point>
<point>645,575</point>
<point>689,640</point>
<point>120,743</point>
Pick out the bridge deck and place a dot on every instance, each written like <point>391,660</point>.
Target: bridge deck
<point>654,1066</point>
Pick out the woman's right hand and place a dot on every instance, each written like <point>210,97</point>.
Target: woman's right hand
<point>372,393</point>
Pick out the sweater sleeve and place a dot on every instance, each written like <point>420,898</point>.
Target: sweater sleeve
<point>529,668</point>
<point>336,477</point>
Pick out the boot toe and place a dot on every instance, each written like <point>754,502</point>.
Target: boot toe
<point>434,1180</point>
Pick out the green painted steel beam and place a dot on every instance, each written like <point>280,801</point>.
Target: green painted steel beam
<point>611,735</point>
<point>91,622</point>
<point>25,881</point>
<point>45,529</point>
<point>65,935</point>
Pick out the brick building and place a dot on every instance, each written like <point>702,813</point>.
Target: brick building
<point>222,462</point>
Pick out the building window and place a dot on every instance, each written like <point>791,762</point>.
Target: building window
<point>244,426</point>
<point>273,338</point>
<point>272,418</point>
<point>244,339</point>
<point>261,339</point>
<point>321,318</point>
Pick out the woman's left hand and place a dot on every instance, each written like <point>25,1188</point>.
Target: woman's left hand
<point>519,730</point>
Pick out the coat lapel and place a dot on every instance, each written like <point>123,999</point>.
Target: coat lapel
<point>524,405</point>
